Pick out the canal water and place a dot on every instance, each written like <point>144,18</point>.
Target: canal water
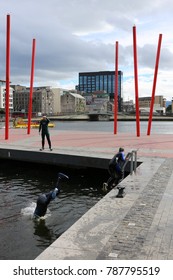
<point>157,127</point>
<point>21,183</point>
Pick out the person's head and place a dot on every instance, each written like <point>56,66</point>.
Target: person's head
<point>121,149</point>
<point>44,117</point>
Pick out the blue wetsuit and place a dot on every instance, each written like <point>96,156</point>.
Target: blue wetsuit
<point>43,202</point>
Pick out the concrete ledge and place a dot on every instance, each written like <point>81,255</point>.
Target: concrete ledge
<point>91,233</point>
<point>60,159</point>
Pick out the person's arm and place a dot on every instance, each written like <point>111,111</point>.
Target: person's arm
<point>48,121</point>
<point>40,126</point>
<point>113,160</point>
<point>123,156</point>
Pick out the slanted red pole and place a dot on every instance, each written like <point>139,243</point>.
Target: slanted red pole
<point>136,81</point>
<point>116,89</point>
<point>154,84</point>
<point>31,87</point>
<point>7,79</point>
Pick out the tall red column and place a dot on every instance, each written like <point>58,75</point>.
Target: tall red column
<point>116,88</point>
<point>7,79</point>
<point>136,81</point>
<point>154,84</point>
<point>31,86</point>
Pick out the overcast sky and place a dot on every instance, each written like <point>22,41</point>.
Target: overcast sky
<point>75,36</point>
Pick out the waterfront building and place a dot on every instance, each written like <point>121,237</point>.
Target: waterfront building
<point>146,101</point>
<point>159,104</point>
<point>45,100</point>
<point>128,106</point>
<point>71,103</point>
<point>101,81</point>
<point>3,95</point>
<point>97,102</point>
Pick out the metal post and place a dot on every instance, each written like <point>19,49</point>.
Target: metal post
<point>136,81</point>
<point>116,88</point>
<point>31,87</point>
<point>154,84</point>
<point>7,79</point>
<point>135,160</point>
<point>131,164</point>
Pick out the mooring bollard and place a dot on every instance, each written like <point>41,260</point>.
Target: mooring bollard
<point>121,192</point>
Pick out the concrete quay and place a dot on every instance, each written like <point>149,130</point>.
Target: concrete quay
<point>138,226</point>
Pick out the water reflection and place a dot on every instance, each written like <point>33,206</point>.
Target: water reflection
<point>42,231</point>
<point>162,127</point>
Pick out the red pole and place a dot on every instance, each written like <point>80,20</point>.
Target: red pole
<point>7,79</point>
<point>136,81</point>
<point>154,84</point>
<point>31,87</point>
<point>116,88</point>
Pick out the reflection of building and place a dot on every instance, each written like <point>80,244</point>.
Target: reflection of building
<point>159,104</point>
<point>72,103</point>
<point>3,95</point>
<point>101,81</point>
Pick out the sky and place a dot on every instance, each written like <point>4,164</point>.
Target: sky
<point>75,36</point>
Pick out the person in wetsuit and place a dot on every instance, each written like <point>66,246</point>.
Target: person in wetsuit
<point>43,127</point>
<point>43,202</point>
<point>115,168</point>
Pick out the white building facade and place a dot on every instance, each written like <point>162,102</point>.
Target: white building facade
<point>72,102</point>
<point>3,96</point>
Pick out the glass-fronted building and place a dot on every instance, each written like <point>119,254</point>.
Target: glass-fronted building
<point>101,81</point>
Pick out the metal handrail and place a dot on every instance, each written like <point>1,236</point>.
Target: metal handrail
<point>132,157</point>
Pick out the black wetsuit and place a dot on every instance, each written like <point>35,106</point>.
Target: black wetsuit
<point>43,127</point>
<point>115,168</point>
<point>43,202</point>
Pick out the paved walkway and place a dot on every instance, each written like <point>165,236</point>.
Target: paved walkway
<point>138,226</point>
<point>87,142</point>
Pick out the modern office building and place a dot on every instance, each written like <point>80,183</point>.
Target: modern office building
<point>101,81</point>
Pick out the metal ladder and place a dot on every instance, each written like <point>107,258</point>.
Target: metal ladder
<point>132,157</point>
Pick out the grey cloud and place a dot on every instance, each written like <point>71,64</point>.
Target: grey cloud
<point>60,54</point>
<point>147,57</point>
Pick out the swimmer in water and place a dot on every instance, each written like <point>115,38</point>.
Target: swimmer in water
<point>43,202</point>
<point>44,199</point>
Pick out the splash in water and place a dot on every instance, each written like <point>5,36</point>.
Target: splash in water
<point>29,211</point>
